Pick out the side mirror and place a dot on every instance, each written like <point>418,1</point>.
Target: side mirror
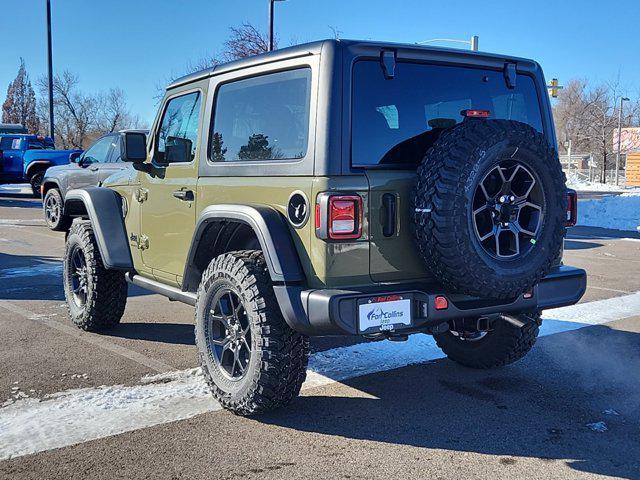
<point>177,150</point>
<point>74,157</point>
<point>133,147</point>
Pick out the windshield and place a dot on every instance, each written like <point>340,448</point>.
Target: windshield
<point>395,121</point>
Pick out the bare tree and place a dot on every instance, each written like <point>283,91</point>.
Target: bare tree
<point>244,41</point>
<point>82,117</point>
<point>114,113</point>
<point>588,116</point>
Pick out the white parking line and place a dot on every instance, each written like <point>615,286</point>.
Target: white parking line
<point>76,416</point>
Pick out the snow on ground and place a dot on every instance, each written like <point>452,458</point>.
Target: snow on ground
<point>621,212</point>
<point>31,425</point>
<point>582,185</point>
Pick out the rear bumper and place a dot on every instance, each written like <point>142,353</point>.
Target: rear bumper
<point>335,311</point>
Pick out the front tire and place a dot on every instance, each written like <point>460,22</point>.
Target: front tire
<point>503,344</point>
<point>96,297</point>
<point>52,205</point>
<point>251,359</point>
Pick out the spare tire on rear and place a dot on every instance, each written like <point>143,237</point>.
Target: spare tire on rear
<point>489,208</point>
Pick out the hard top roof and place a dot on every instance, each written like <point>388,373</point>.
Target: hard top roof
<point>314,48</point>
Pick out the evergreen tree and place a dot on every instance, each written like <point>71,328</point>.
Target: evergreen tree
<point>257,148</point>
<point>20,104</point>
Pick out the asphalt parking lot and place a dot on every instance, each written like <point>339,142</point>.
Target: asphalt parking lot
<point>570,409</point>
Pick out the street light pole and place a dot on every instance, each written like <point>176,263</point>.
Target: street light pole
<point>50,67</point>
<point>622,99</point>
<point>271,2</point>
<point>271,34</point>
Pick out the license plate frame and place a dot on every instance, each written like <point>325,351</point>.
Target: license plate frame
<point>384,314</point>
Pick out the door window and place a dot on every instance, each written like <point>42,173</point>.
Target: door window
<point>99,151</point>
<point>178,133</point>
<point>262,118</point>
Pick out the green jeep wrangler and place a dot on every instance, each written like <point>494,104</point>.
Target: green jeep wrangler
<point>335,188</point>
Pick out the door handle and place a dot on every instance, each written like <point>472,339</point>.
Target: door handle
<point>390,213</point>
<point>94,169</point>
<point>186,195</point>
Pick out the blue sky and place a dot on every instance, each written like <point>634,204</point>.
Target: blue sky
<point>137,45</point>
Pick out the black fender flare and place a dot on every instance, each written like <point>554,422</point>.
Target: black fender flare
<point>109,224</point>
<point>37,164</point>
<point>273,235</point>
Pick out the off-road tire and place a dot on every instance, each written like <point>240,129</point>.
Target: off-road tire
<point>36,182</point>
<point>106,296</point>
<point>279,356</point>
<point>442,207</point>
<point>502,345</point>
<point>58,222</point>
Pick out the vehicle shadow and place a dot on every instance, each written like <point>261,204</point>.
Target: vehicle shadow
<point>538,408</point>
<point>174,333</point>
<point>580,245</point>
<point>11,203</point>
<point>598,233</point>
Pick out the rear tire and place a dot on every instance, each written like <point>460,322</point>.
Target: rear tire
<point>36,182</point>
<point>502,345</point>
<point>96,297</point>
<point>251,359</point>
<point>52,205</point>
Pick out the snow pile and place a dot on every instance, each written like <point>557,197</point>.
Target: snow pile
<point>586,186</point>
<point>621,212</point>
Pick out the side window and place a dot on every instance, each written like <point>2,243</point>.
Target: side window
<point>35,145</point>
<point>262,118</point>
<point>99,151</point>
<point>178,133</point>
<point>9,143</point>
<point>114,157</point>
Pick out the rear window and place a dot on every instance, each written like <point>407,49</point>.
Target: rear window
<point>395,121</point>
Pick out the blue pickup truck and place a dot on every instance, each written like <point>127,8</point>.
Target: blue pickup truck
<point>25,158</point>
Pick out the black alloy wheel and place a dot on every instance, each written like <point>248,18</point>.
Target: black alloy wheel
<point>229,334</point>
<point>508,210</point>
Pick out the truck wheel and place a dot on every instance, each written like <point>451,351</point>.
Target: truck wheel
<point>503,344</point>
<point>96,297</point>
<point>53,208</point>
<point>490,207</point>
<point>251,359</point>
<point>36,182</point>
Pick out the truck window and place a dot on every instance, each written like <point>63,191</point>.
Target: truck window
<point>9,143</point>
<point>395,121</point>
<point>262,118</point>
<point>179,127</point>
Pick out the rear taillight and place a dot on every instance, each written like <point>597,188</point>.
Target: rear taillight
<point>338,217</point>
<point>572,208</point>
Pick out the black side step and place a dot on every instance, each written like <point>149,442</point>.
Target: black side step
<point>172,293</point>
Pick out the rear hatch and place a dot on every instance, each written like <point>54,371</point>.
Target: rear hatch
<point>396,120</point>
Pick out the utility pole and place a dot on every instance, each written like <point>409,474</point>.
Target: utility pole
<point>622,99</point>
<point>50,66</point>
